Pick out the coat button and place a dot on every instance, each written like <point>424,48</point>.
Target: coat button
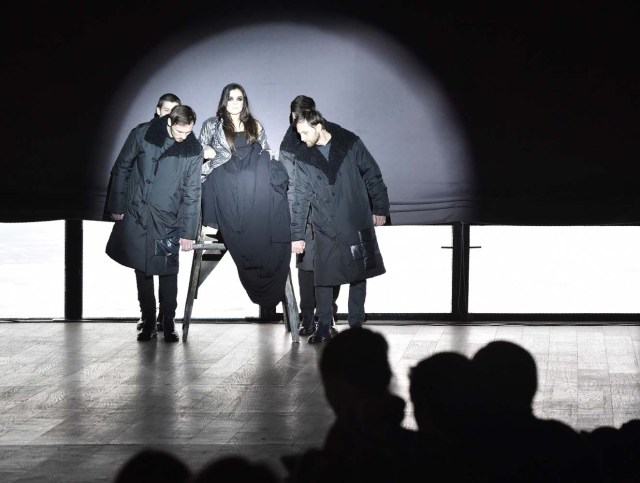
<point>148,182</point>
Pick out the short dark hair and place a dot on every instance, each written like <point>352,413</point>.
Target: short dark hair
<point>301,103</point>
<point>311,116</point>
<point>168,97</point>
<point>182,114</point>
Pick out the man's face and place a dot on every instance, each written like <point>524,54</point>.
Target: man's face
<point>179,132</point>
<point>235,101</point>
<point>166,108</point>
<point>309,134</point>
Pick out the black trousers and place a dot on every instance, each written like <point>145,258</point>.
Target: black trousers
<point>357,296</point>
<point>167,292</point>
<point>308,295</point>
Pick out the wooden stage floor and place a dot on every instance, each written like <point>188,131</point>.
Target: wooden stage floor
<point>79,398</point>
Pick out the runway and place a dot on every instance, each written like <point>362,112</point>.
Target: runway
<point>78,398</point>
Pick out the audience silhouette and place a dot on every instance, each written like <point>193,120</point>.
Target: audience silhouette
<point>475,423</point>
<point>520,447</point>
<point>367,441</point>
<point>153,466</point>
<point>235,469</point>
<point>617,450</point>
<point>446,396</point>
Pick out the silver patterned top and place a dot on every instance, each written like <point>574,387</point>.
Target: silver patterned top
<point>212,135</point>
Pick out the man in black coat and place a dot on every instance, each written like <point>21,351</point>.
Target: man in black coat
<point>342,184</point>
<point>154,198</point>
<point>292,147</point>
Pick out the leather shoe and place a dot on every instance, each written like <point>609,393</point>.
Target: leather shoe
<point>171,336</point>
<point>307,326</point>
<point>147,334</point>
<point>320,336</point>
<point>306,329</point>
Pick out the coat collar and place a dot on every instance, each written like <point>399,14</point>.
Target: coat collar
<point>341,142</point>
<point>157,134</point>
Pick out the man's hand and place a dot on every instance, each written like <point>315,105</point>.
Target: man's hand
<point>186,245</point>
<point>379,220</point>
<point>297,247</point>
<point>117,217</point>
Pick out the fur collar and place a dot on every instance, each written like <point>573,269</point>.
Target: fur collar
<point>341,142</point>
<point>291,141</point>
<point>157,134</point>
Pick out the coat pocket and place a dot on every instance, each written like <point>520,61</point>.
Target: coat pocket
<point>165,247</point>
<point>366,248</point>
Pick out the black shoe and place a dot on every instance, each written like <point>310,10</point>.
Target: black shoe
<point>320,335</point>
<point>147,334</point>
<point>171,336</point>
<point>307,326</point>
<point>306,329</point>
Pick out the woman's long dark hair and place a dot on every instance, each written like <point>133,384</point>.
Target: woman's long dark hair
<point>250,124</point>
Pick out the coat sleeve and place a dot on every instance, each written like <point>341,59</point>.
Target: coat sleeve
<point>288,162</point>
<point>205,138</point>
<point>206,132</point>
<point>372,176</point>
<point>191,196</point>
<point>212,135</point>
<point>121,171</point>
<point>300,202</point>
<point>262,138</point>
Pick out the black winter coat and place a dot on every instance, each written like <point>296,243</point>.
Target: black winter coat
<point>246,199</point>
<point>155,182</point>
<point>343,194</point>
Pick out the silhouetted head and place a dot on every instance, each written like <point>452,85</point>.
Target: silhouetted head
<point>235,469</point>
<point>153,466</point>
<point>355,363</point>
<point>510,376</point>
<point>445,394</point>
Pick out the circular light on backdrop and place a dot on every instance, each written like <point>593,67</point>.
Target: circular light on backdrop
<point>359,77</point>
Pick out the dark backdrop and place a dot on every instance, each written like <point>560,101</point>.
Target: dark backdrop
<point>545,97</point>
